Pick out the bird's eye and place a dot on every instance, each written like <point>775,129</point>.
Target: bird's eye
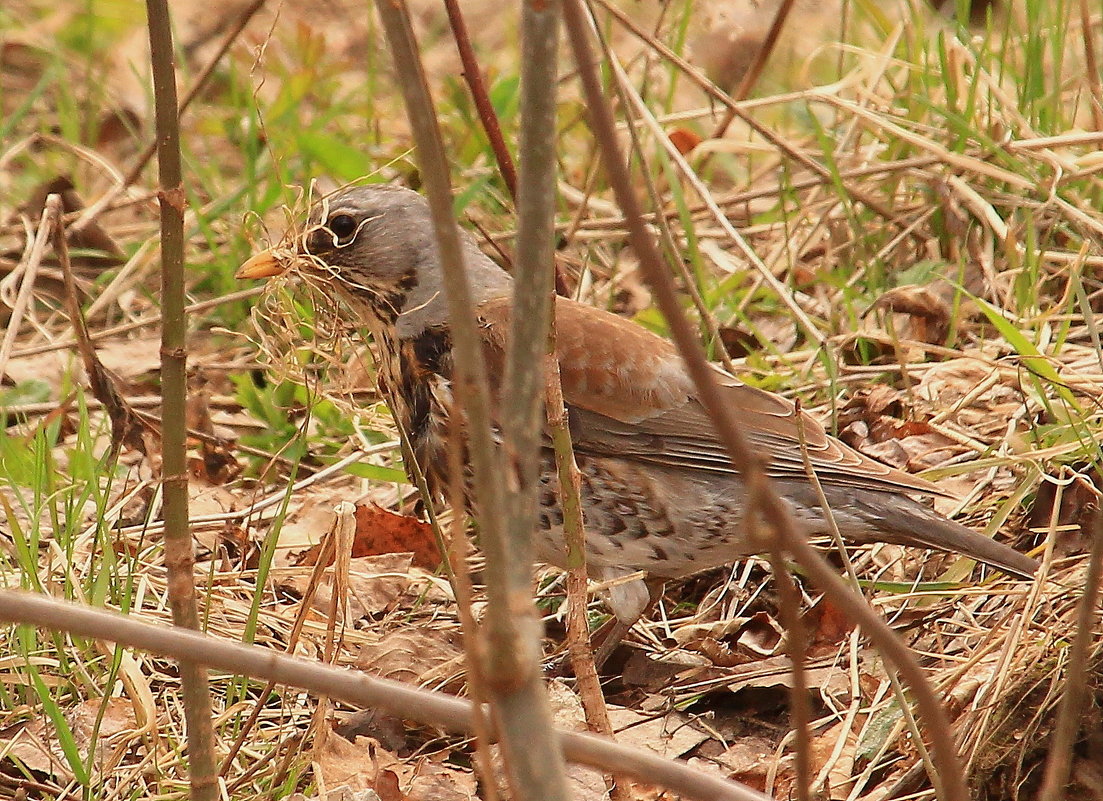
<point>343,227</point>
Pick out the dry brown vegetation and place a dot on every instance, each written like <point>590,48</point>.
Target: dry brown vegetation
<point>920,205</point>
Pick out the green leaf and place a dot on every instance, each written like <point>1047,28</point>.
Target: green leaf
<point>1038,365</point>
<point>375,472</point>
<point>343,161</point>
<point>30,391</point>
<point>908,587</point>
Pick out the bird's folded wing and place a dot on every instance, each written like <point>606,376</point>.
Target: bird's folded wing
<point>629,396</point>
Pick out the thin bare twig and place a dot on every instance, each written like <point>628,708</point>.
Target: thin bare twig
<point>750,78</point>
<point>473,75</point>
<point>179,557</point>
<point>1071,710</point>
<point>950,780</point>
<point>457,551</point>
<point>533,756</point>
<point>430,708</point>
<point>534,340</point>
<point>800,708</point>
<point>1091,64</point>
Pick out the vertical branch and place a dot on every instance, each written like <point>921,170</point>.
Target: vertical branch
<point>533,332</point>
<point>764,500</point>
<point>1091,61</point>
<point>533,755</point>
<point>474,77</point>
<point>1071,709</point>
<point>800,708</point>
<point>532,274</point>
<point>178,542</point>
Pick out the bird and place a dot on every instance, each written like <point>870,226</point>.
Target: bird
<point>659,491</point>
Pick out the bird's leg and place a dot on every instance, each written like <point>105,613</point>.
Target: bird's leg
<point>610,633</point>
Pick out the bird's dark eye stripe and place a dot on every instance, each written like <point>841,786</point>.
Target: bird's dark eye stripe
<point>342,225</point>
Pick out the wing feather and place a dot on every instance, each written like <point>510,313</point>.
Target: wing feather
<point>629,396</point>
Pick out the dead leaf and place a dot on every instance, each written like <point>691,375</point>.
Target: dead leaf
<point>737,342</point>
<point>36,746</point>
<point>929,315</point>
<point>95,246</point>
<point>761,634</point>
<point>826,624</point>
<point>379,531</point>
<point>585,783</point>
<point>432,780</point>
<point>671,735</point>
<point>387,729</point>
<point>651,675</point>
<point>748,761</point>
<point>365,765</point>
<point>116,719</point>
<point>357,765</point>
<point>29,744</point>
<point>117,126</point>
<point>1076,519</point>
<point>871,403</point>
<point>684,140</point>
<point>414,655</point>
<point>376,585</point>
<point>777,671</point>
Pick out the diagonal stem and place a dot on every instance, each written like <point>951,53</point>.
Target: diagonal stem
<point>950,780</point>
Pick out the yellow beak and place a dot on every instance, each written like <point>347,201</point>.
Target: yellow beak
<point>263,265</point>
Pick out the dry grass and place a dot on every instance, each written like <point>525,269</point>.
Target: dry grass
<point>924,244</point>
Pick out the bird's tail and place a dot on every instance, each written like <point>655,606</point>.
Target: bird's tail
<point>912,524</point>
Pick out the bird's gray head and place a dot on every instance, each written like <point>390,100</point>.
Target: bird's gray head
<point>376,245</point>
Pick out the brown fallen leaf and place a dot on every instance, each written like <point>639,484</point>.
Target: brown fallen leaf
<point>375,585</point>
<point>684,140</point>
<point>414,655</point>
<point>379,531</point>
<point>1076,519</point>
<point>737,342</point>
<point>28,745</point>
<point>826,624</point>
<point>748,760</point>
<point>365,765</point>
<point>929,314</point>
<point>96,247</point>
<point>359,765</point>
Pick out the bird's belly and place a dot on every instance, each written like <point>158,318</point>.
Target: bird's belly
<point>665,522</point>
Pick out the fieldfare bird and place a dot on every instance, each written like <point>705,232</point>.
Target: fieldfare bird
<point>659,491</point>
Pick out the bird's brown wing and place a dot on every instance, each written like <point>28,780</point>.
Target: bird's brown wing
<point>629,395</point>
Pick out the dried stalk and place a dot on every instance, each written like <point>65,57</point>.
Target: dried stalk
<point>425,706</point>
<point>23,298</point>
<point>750,78</point>
<point>179,559</point>
<point>533,756</point>
<point>949,782</point>
<point>1075,701</point>
<point>1091,62</point>
<point>483,107</point>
